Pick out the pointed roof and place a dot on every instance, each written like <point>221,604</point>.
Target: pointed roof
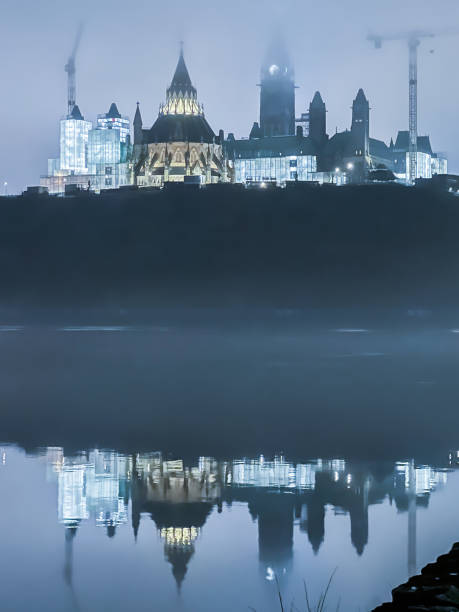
<point>378,148</point>
<point>403,142</point>
<point>424,145</point>
<point>361,97</point>
<point>317,101</point>
<point>113,112</point>
<point>137,116</point>
<point>181,96</point>
<point>76,114</point>
<point>181,80</point>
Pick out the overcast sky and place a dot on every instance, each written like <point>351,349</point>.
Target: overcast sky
<point>129,52</point>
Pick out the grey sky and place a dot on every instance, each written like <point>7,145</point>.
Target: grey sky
<point>129,52</point>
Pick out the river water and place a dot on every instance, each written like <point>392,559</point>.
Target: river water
<point>207,467</point>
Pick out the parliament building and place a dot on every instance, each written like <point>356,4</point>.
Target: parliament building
<point>282,148</point>
<point>180,146</point>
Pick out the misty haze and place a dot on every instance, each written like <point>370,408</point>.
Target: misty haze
<point>229,306</point>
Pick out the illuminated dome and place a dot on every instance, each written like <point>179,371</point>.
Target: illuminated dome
<point>181,96</point>
<point>181,146</point>
<point>181,118</point>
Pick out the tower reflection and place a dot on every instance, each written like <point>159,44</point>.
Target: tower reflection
<point>281,496</point>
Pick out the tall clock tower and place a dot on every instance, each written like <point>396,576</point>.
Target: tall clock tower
<point>277,93</point>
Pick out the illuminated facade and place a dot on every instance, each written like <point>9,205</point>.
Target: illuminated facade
<point>181,146</point>
<point>428,162</point>
<point>71,167</point>
<point>275,169</point>
<point>114,120</point>
<point>105,485</point>
<point>363,157</point>
<point>72,502</point>
<point>74,131</point>
<point>109,150</point>
<point>278,159</point>
<point>274,154</point>
<point>91,159</point>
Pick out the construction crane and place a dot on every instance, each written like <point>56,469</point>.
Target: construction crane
<point>414,39</point>
<point>71,70</point>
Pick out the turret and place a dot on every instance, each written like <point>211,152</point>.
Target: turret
<point>361,125</point>
<point>255,132</point>
<point>360,138</point>
<point>317,120</point>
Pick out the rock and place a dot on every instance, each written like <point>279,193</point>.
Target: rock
<point>436,589</point>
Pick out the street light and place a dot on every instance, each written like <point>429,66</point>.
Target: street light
<point>350,166</point>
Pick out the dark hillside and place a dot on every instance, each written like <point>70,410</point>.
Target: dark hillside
<point>375,245</point>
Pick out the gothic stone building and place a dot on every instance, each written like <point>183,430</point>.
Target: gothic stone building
<point>181,146</point>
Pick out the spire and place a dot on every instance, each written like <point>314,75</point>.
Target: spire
<point>113,112</point>
<point>179,557</point>
<point>181,79</point>
<point>135,515</point>
<point>138,135</point>
<point>181,96</point>
<point>317,101</point>
<point>137,116</point>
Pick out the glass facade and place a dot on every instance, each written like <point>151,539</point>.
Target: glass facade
<point>122,124</point>
<point>54,166</point>
<point>439,164</point>
<point>74,145</point>
<point>57,183</point>
<point>107,155</point>
<point>424,165</point>
<point>104,147</point>
<point>276,169</point>
<point>427,166</point>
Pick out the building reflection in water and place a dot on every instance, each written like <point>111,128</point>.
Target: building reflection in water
<point>98,486</point>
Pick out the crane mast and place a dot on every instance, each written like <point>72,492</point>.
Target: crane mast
<point>71,86</point>
<point>414,40</point>
<point>413,44</point>
<point>70,69</point>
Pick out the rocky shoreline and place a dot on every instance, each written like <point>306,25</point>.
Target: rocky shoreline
<point>436,588</point>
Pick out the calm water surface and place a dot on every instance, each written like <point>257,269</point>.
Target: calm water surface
<point>166,468</point>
